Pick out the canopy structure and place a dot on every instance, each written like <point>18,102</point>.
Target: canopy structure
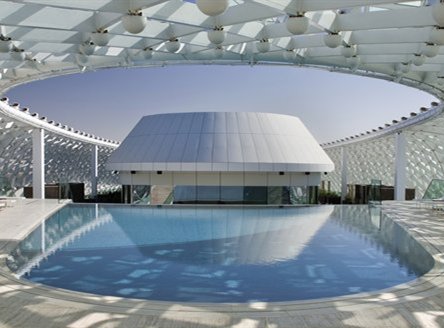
<point>387,39</point>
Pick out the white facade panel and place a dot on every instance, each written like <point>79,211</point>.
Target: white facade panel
<point>184,178</point>
<point>275,179</point>
<point>255,179</point>
<point>232,179</point>
<point>208,179</point>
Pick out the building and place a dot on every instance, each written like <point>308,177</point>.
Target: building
<point>217,157</point>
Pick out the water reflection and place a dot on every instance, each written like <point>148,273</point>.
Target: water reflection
<point>220,254</point>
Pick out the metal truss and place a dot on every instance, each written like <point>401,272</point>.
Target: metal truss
<point>372,155</point>
<point>67,152</point>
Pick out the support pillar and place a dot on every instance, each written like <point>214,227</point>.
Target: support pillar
<point>38,163</point>
<point>94,170</point>
<point>344,171</point>
<point>400,166</point>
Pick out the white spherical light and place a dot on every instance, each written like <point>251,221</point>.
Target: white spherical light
<point>87,48</point>
<point>212,7</point>
<point>297,24</point>
<point>348,51</point>
<point>81,59</point>
<point>100,39</point>
<point>438,13</point>
<point>263,45</point>
<point>403,68</point>
<point>18,54</point>
<point>5,44</point>
<point>218,52</point>
<point>134,23</point>
<point>430,50</point>
<point>354,61</point>
<point>418,60</point>
<point>437,36</point>
<point>289,55</point>
<point>332,40</point>
<point>148,53</point>
<point>173,45</point>
<point>216,36</point>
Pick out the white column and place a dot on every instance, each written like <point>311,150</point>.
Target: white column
<point>94,170</point>
<point>344,171</point>
<point>38,163</point>
<point>400,166</point>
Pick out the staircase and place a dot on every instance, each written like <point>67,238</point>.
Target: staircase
<point>160,194</point>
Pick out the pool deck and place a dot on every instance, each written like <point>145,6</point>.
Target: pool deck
<point>417,304</point>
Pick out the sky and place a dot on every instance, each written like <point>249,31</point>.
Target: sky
<point>109,102</point>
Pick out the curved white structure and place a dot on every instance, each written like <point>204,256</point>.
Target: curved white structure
<point>407,153</point>
<point>394,40</point>
<point>220,142</point>
<point>188,151</point>
<point>68,155</point>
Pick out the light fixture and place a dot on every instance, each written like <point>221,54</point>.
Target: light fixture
<point>134,22</point>
<point>81,60</point>
<point>403,68</point>
<point>438,13</point>
<point>87,48</point>
<point>289,55</point>
<point>18,54</point>
<point>297,24</point>
<point>418,60</point>
<point>430,50</point>
<point>218,52</point>
<point>332,40</point>
<point>148,53</point>
<point>437,35</point>
<point>216,35</point>
<point>263,45</point>
<point>173,45</point>
<point>100,38</point>
<point>212,7</point>
<point>348,51</point>
<point>5,44</point>
<point>354,61</point>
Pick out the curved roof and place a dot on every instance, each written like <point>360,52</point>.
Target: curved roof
<point>215,141</point>
<point>388,39</point>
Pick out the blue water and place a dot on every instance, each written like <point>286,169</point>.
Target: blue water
<point>220,254</point>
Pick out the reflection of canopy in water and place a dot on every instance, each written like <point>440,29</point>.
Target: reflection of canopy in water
<point>252,235</point>
<point>61,243</point>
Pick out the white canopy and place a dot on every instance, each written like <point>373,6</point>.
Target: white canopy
<point>388,39</point>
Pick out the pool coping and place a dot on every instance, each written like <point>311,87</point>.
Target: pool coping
<point>428,285</point>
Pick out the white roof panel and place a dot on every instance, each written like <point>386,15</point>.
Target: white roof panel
<point>220,141</point>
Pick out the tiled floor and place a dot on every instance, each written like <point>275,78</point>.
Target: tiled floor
<point>419,304</point>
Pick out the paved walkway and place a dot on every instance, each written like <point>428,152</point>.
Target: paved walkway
<point>418,304</point>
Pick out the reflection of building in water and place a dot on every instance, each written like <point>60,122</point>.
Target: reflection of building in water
<point>237,236</point>
<point>372,224</point>
<point>249,158</point>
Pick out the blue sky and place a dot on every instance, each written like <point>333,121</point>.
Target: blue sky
<point>109,102</point>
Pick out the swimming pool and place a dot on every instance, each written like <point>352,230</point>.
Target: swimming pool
<point>219,254</point>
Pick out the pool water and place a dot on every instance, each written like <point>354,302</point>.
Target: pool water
<point>220,254</point>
